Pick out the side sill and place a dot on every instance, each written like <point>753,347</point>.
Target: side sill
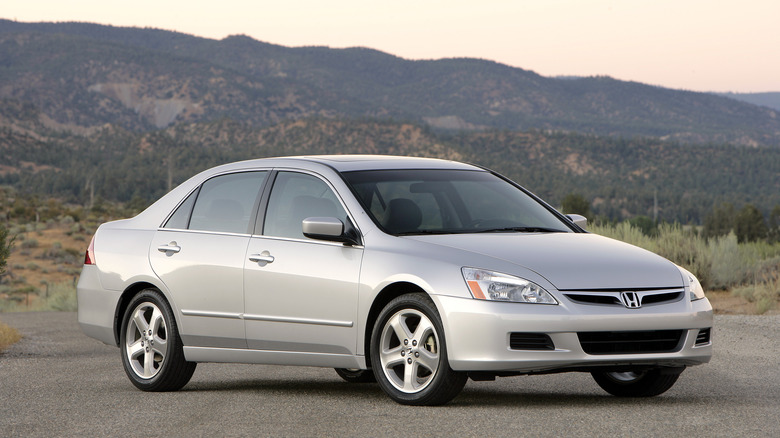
<point>235,355</point>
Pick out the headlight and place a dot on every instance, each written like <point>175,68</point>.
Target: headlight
<point>696,291</point>
<point>495,286</point>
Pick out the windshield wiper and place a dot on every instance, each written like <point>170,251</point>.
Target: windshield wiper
<point>521,230</point>
<point>489,230</point>
<point>421,232</point>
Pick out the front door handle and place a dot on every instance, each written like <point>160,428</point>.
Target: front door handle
<point>265,257</point>
<point>171,247</point>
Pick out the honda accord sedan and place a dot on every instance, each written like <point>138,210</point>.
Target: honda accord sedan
<point>415,273</point>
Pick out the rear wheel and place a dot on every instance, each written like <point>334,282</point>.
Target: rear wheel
<point>647,383</point>
<point>356,375</point>
<point>409,353</point>
<point>151,349</point>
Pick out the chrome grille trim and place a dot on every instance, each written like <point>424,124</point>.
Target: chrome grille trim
<point>612,297</point>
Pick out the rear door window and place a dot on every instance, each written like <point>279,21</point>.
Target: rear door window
<point>226,203</point>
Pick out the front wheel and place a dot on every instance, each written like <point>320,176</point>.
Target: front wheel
<point>647,383</point>
<point>409,353</point>
<point>151,349</point>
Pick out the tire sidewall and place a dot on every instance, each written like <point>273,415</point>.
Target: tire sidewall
<point>154,297</point>
<point>424,304</point>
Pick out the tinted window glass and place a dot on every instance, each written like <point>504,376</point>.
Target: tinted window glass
<point>295,197</point>
<point>181,217</point>
<point>448,201</point>
<point>226,203</point>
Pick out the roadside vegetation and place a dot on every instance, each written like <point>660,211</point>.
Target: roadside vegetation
<point>8,336</point>
<point>42,244</point>
<point>735,253</point>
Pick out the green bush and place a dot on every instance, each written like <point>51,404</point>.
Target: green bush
<point>764,293</point>
<point>728,263</point>
<point>30,243</point>
<point>62,297</point>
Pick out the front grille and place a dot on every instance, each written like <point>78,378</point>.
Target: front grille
<point>635,342</point>
<point>703,338</point>
<point>661,298</point>
<point>612,297</point>
<point>530,341</point>
<point>594,299</point>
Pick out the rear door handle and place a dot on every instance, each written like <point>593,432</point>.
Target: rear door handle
<point>267,258</point>
<point>171,247</point>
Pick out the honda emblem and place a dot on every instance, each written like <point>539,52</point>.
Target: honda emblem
<point>630,300</point>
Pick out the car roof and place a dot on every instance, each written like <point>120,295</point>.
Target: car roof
<point>347,163</point>
<point>152,216</point>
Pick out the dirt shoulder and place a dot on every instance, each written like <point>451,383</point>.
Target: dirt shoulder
<point>724,303</point>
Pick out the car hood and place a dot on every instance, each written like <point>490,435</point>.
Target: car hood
<point>570,261</point>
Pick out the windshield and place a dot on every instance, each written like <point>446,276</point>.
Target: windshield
<point>422,201</point>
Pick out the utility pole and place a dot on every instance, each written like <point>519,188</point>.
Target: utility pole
<point>655,206</point>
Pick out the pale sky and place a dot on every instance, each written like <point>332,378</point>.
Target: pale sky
<point>701,45</point>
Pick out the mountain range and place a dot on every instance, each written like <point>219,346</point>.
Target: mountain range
<point>81,76</point>
<point>90,111</point>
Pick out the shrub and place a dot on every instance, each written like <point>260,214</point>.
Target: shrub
<point>62,297</point>
<point>6,244</point>
<point>8,336</point>
<point>728,264</point>
<point>764,293</point>
<point>29,243</point>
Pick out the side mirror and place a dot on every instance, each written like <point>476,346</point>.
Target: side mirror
<point>579,220</point>
<point>329,228</point>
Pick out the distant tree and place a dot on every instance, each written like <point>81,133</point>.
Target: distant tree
<point>646,224</point>
<point>749,225</point>
<point>5,248</point>
<point>720,220</point>
<point>773,231</point>
<point>574,203</point>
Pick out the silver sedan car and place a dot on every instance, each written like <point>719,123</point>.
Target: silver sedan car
<point>416,273</point>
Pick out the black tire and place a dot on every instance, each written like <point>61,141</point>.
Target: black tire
<point>151,367</point>
<point>356,376</point>
<point>648,383</point>
<point>413,370</point>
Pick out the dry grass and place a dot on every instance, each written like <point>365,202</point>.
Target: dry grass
<point>8,336</point>
<point>43,267</point>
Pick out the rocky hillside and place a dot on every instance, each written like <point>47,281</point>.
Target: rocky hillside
<point>80,76</point>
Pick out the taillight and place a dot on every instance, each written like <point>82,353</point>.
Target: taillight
<point>89,257</point>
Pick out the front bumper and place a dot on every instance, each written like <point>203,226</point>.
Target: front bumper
<point>478,334</point>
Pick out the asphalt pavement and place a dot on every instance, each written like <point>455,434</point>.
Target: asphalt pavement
<point>58,382</point>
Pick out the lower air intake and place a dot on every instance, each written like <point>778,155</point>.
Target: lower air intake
<point>530,341</point>
<point>703,338</point>
<point>634,342</point>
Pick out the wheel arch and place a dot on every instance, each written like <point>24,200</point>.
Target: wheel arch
<point>127,296</point>
<point>387,294</point>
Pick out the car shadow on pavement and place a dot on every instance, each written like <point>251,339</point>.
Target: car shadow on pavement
<point>469,397</point>
<point>531,399</point>
<point>296,387</point>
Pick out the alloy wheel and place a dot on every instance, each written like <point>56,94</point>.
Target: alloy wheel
<point>146,341</point>
<point>409,351</point>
